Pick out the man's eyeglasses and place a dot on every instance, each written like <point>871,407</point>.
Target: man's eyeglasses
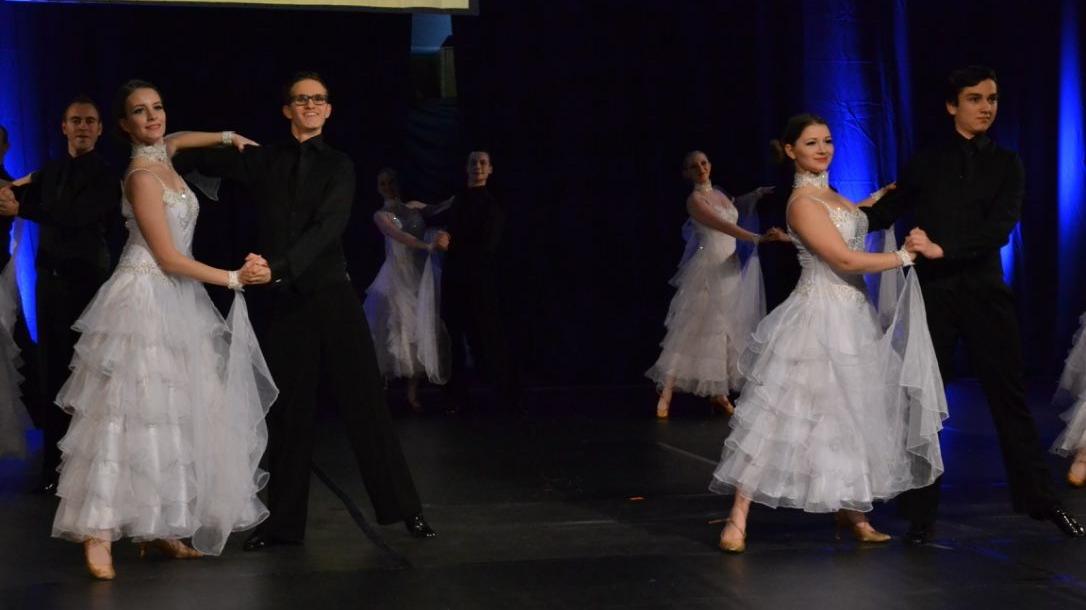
<point>301,100</point>
<point>78,120</point>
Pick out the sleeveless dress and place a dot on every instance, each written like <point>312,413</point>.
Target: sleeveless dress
<point>403,305</point>
<point>716,306</point>
<point>167,401</point>
<point>836,411</point>
<point>1073,385</point>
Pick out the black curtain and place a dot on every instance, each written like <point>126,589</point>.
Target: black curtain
<point>224,68</point>
<point>588,108</point>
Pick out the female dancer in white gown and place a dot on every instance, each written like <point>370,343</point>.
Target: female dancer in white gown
<point>716,304</point>
<point>836,412</point>
<point>167,398</point>
<point>401,304</point>
<point>1072,441</point>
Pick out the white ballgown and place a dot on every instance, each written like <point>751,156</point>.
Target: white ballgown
<point>167,400</point>
<point>836,412</point>
<point>716,306</point>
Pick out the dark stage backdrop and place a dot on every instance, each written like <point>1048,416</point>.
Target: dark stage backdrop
<point>587,107</point>
<point>218,68</point>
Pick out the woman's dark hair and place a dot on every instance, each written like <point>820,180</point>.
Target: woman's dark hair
<point>961,78</point>
<point>300,76</point>
<point>392,175</point>
<point>120,104</point>
<point>690,156</point>
<point>792,130</point>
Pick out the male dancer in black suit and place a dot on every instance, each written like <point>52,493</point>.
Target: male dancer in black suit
<point>967,194</point>
<point>74,200</point>
<point>314,328</point>
<point>470,294</point>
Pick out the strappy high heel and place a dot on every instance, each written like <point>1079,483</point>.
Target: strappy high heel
<point>733,547</point>
<point>99,571</point>
<point>172,548</point>
<point>859,532</point>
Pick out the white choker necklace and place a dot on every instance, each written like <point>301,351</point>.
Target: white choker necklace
<point>154,152</point>
<point>803,178</point>
<point>704,187</point>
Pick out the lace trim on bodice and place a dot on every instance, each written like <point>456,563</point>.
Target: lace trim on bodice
<point>851,293</point>
<point>846,221</point>
<point>720,204</point>
<point>818,277</point>
<point>182,210</point>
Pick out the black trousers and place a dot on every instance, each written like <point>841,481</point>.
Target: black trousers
<point>470,307</point>
<point>981,313</point>
<point>322,340</point>
<point>60,301</point>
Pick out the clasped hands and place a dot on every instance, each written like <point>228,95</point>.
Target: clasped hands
<point>254,271</point>
<point>774,234</point>
<point>441,241</point>
<point>917,242</point>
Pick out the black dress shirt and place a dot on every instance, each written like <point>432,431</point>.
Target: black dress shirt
<point>74,200</point>
<point>475,221</point>
<point>303,193</point>
<point>967,195</point>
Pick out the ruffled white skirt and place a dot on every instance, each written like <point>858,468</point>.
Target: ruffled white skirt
<point>1073,387</point>
<point>716,306</point>
<point>403,311</point>
<point>835,413</point>
<point>168,403</point>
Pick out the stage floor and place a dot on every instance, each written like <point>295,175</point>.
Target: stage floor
<point>586,502</point>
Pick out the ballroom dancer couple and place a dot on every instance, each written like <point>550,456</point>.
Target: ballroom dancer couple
<point>402,302</point>
<point>168,399</point>
<point>837,411</point>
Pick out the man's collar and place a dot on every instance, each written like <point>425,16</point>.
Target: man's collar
<point>976,143</point>
<point>317,142</point>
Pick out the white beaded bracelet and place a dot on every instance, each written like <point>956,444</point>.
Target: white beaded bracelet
<point>227,138</point>
<point>906,260</point>
<point>232,281</point>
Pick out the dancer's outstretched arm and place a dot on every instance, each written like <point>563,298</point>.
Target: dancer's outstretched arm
<point>701,211</point>
<point>203,139</point>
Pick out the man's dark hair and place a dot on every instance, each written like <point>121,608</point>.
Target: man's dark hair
<point>80,99</point>
<point>300,76</point>
<point>968,76</point>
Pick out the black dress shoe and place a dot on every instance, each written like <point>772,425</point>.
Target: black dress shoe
<point>260,540</point>
<point>418,527</point>
<point>920,533</point>
<point>1065,521</point>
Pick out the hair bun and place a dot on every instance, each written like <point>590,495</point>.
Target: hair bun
<point>776,149</point>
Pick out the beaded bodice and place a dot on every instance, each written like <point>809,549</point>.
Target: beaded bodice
<point>710,241</point>
<point>181,209</point>
<point>816,274</point>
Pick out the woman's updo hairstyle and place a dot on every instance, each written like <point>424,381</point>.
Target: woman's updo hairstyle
<point>792,130</point>
<point>120,104</point>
